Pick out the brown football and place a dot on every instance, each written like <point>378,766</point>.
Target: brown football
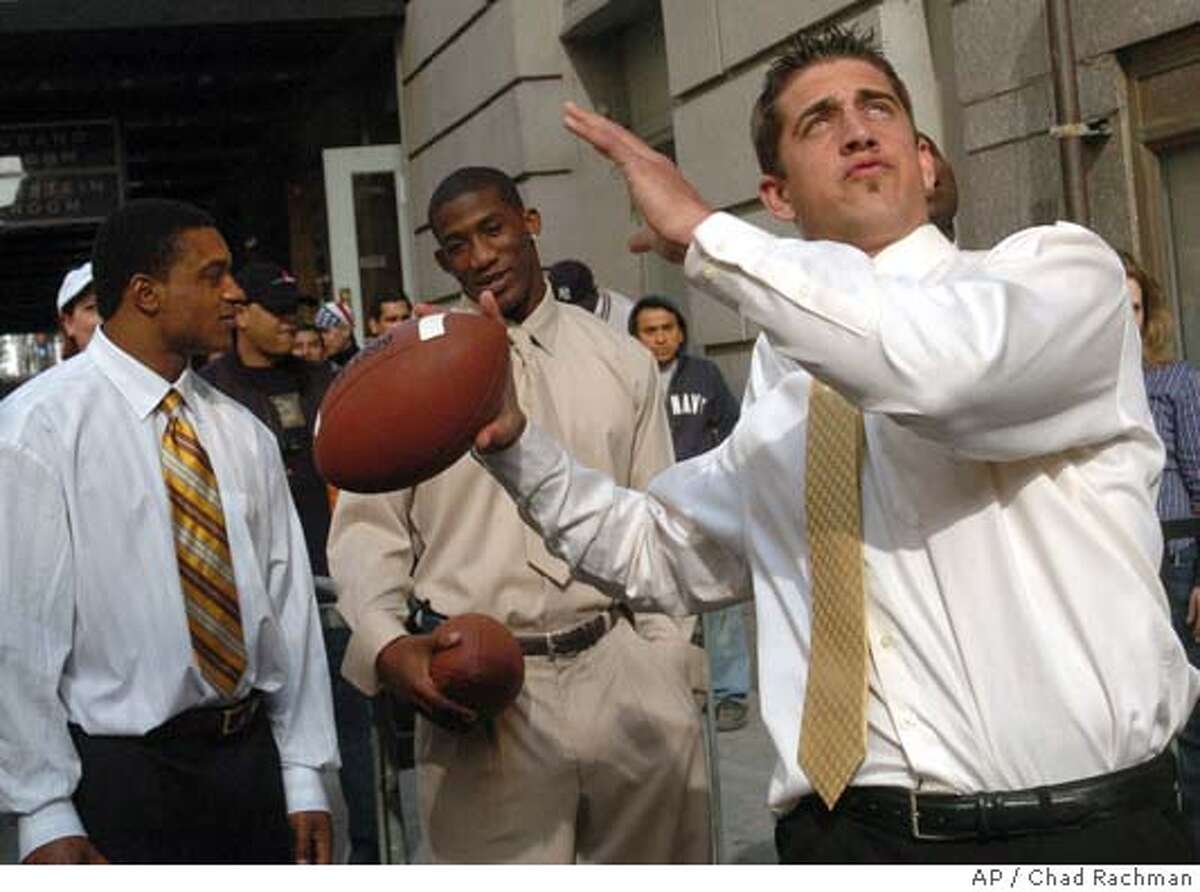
<point>485,670</point>
<point>410,403</point>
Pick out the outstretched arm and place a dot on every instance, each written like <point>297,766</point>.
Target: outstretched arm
<point>676,548</point>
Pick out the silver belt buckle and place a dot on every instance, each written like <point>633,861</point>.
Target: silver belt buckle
<point>914,822</point>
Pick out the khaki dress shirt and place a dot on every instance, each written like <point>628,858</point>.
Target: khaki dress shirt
<point>458,540</point>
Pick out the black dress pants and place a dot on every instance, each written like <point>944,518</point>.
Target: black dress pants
<point>1153,834</point>
<point>184,800</point>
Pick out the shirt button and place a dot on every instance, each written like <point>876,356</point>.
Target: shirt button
<point>886,640</point>
<point>709,272</point>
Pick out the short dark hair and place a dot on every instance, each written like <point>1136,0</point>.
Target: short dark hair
<point>805,50</point>
<point>473,179</point>
<point>140,237</point>
<point>375,304</point>
<point>658,302</point>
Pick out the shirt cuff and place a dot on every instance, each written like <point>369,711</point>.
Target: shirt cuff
<point>724,238</point>
<point>52,821</point>
<point>303,789</point>
<point>748,270</point>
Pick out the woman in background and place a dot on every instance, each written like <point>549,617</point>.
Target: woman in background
<point>1173,389</point>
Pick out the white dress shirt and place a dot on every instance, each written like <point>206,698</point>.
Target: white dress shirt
<point>1018,631</point>
<point>94,629</point>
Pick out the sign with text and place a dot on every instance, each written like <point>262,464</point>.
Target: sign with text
<point>60,173</point>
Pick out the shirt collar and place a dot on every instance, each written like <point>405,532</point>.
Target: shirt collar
<point>541,325</point>
<point>142,387</point>
<point>915,255</point>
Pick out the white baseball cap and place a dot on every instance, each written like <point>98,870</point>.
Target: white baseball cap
<point>73,284</point>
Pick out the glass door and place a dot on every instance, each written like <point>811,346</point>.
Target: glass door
<point>370,243</point>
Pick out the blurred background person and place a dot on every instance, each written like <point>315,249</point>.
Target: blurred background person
<point>336,325</point>
<point>386,311</point>
<point>572,282</point>
<point>307,344</point>
<point>702,412</point>
<point>1173,388</point>
<point>78,315</point>
<point>285,392</point>
<point>942,199</point>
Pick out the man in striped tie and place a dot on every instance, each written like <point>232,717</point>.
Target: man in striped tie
<point>166,696</point>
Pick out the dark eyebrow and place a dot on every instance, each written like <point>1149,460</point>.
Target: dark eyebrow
<point>821,106</point>
<point>866,94</point>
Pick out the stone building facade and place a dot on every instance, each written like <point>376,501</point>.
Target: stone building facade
<point>484,82</point>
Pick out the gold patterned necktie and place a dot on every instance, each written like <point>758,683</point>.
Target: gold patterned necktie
<point>833,732</point>
<point>202,551</point>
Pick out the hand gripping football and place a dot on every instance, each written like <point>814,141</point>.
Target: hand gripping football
<point>485,670</point>
<point>411,402</point>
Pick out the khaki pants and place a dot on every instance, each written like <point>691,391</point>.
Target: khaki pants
<point>600,760</point>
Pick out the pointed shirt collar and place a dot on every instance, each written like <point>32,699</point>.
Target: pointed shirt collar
<point>142,387</point>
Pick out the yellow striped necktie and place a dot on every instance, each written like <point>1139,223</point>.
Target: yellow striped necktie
<point>202,551</point>
<point>833,731</point>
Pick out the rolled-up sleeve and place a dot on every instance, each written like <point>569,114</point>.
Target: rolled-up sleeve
<point>39,768</point>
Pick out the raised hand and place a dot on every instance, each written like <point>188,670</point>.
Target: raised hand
<point>670,205</point>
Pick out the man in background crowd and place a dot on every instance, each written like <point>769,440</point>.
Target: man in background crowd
<point>307,344</point>
<point>386,312</point>
<point>285,393</point>
<point>337,333</point>
<point>942,197</point>
<point>77,313</point>
<point>572,282</point>
<point>702,412</point>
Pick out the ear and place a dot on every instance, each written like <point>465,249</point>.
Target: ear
<point>774,194</point>
<point>533,221</point>
<point>928,165</point>
<point>145,293</point>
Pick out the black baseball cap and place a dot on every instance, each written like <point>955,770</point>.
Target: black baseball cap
<point>572,281</point>
<point>271,286</point>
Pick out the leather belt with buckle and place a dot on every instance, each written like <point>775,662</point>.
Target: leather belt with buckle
<point>573,640</point>
<point>212,722</point>
<point>946,816</point>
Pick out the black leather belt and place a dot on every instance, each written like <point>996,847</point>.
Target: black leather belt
<point>573,640</point>
<point>941,816</point>
<point>212,722</point>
